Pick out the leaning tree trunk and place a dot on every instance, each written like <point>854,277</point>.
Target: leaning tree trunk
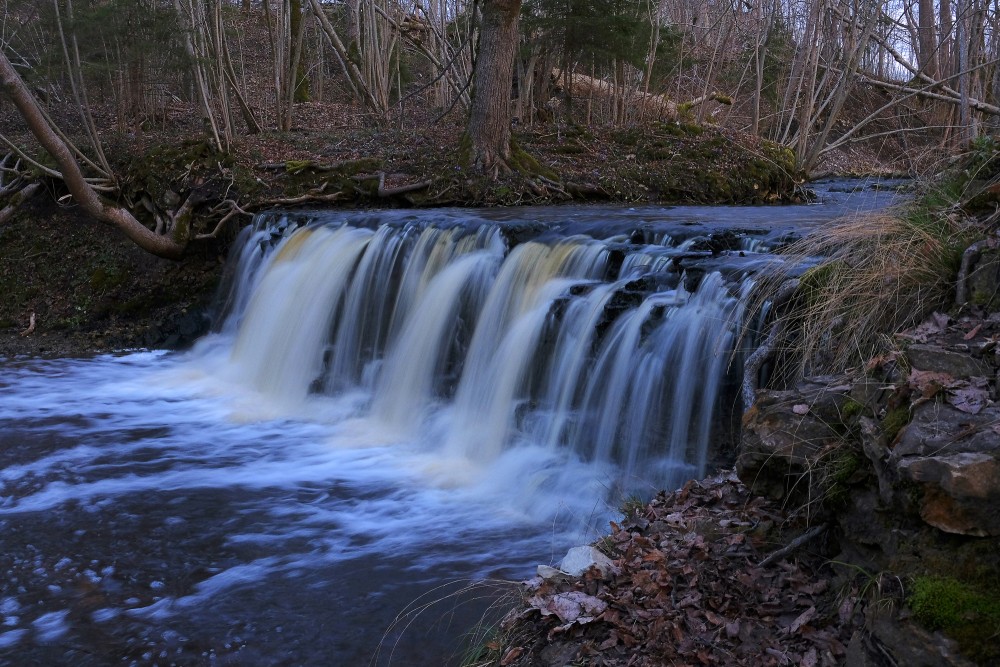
<point>489,120</point>
<point>76,183</point>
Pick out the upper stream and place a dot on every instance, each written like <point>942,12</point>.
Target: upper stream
<point>392,404</point>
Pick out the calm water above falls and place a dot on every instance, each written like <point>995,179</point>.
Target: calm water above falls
<point>393,402</point>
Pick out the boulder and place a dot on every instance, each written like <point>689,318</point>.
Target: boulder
<point>938,428</point>
<point>961,492</point>
<point>953,458</point>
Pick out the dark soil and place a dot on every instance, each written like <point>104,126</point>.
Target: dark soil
<point>92,290</point>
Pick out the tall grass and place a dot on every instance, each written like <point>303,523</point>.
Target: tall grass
<point>878,274</point>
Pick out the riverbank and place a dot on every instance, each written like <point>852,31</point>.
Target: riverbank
<point>90,290</point>
<point>866,532</point>
<point>858,528</point>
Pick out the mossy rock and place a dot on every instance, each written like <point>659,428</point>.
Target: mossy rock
<point>967,612</point>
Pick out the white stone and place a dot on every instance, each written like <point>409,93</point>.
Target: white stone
<point>579,559</point>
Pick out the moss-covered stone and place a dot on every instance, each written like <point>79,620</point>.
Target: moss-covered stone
<point>966,612</point>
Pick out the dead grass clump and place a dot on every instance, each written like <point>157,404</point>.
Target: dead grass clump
<point>880,273</point>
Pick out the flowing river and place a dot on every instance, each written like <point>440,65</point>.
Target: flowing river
<point>393,405</point>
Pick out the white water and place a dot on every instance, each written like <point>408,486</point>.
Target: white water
<point>445,338</point>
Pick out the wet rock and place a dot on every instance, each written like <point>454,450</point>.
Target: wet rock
<point>940,360</point>
<point>718,242</point>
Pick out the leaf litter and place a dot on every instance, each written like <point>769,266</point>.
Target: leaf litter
<point>687,590</point>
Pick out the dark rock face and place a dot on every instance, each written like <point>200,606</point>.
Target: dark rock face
<point>937,359</point>
<point>905,462</point>
<point>786,431</point>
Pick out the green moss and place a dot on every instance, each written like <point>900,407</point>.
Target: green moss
<point>839,475</point>
<point>105,278</point>
<point>629,137</point>
<point>894,421</point>
<point>851,410</point>
<point>968,614</point>
<point>525,163</point>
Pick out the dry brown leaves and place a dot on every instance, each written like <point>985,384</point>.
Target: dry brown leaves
<point>689,592</point>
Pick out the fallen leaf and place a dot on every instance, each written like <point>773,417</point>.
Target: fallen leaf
<point>803,618</point>
<point>975,331</point>
<point>570,607</point>
<point>929,383</point>
<point>968,398</point>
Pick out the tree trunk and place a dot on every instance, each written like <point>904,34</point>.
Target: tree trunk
<point>82,192</point>
<point>927,53</point>
<point>489,120</point>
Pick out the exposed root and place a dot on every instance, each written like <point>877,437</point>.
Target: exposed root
<point>751,369</point>
<point>969,257</point>
<point>31,326</point>
<point>18,198</point>
<point>234,210</point>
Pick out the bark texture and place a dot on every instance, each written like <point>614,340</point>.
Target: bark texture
<point>489,120</point>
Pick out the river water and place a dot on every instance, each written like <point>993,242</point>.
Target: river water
<point>393,405</point>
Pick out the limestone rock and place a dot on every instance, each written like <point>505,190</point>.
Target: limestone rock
<point>937,428</point>
<point>961,493</point>
<point>580,559</point>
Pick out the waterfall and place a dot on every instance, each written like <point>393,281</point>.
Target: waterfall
<point>599,350</point>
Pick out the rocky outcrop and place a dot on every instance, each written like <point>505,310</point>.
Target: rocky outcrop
<point>905,461</point>
<point>931,437</point>
<point>953,458</point>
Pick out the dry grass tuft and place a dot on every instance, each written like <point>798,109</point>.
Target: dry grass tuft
<point>879,274</point>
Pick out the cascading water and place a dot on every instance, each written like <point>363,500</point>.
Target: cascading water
<point>390,402</point>
<point>593,348</point>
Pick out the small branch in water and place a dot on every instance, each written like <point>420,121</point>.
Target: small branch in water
<point>810,534</point>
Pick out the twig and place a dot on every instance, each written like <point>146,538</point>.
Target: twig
<point>31,326</point>
<point>303,199</point>
<point>810,534</point>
